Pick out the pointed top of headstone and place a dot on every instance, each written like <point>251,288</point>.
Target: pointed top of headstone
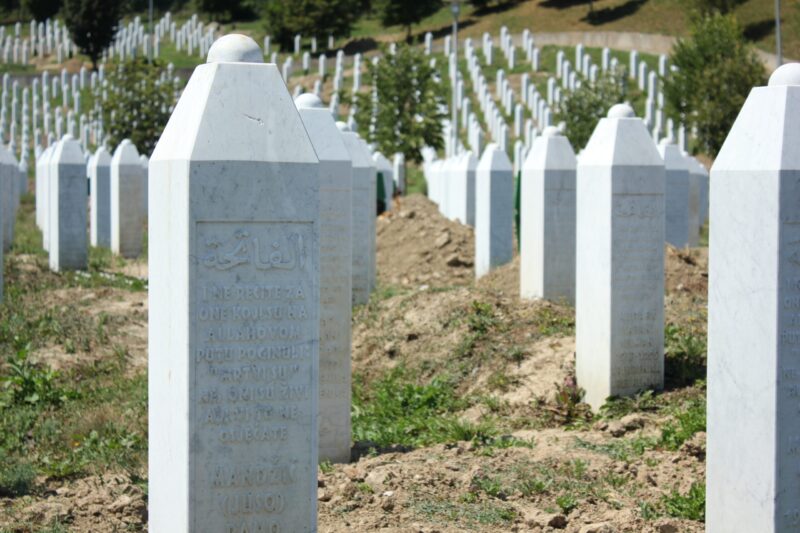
<point>308,101</point>
<point>495,158</point>
<point>234,48</point>
<point>671,153</point>
<point>343,127</point>
<point>621,111</point>
<point>551,131</point>
<point>125,154</point>
<point>468,161</point>
<point>551,151</point>
<point>68,151</point>
<point>788,74</point>
<point>326,138</point>
<point>101,157</point>
<point>621,139</point>
<point>764,134</point>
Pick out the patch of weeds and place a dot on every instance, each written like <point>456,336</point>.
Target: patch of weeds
<point>552,321</point>
<point>566,502</point>
<point>480,319</point>
<point>16,477</point>
<point>95,279</point>
<point>567,406</point>
<point>326,467</point>
<point>685,360</point>
<point>648,511</point>
<point>532,486</point>
<point>465,514</point>
<point>501,381</point>
<point>688,421</point>
<point>491,486</point>
<point>619,449</point>
<point>28,383</point>
<point>394,410</point>
<point>617,407</point>
<point>364,487</point>
<point>100,258</point>
<point>515,355</point>
<point>691,506</point>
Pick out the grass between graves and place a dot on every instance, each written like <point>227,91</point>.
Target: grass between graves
<point>666,17</point>
<point>84,420</point>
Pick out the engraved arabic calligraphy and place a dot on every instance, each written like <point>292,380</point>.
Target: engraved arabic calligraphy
<point>245,249</point>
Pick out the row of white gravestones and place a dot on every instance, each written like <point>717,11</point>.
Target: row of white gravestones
<point>753,459</point>
<point>256,228</point>
<point>336,265</point>
<point>118,213</point>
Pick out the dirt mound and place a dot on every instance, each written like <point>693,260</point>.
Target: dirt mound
<point>522,487</point>
<point>100,504</point>
<point>417,245</point>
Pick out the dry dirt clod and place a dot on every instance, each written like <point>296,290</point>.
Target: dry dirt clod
<point>666,526</point>
<point>695,446</point>
<point>625,424</point>
<point>597,528</point>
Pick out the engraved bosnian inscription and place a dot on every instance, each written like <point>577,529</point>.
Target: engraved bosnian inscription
<point>255,321</point>
<point>635,275</point>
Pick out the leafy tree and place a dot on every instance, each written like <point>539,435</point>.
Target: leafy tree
<point>92,24</point>
<point>710,7</point>
<point>582,109</point>
<point>286,18</point>
<point>403,111</point>
<point>138,104</point>
<point>716,69</point>
<point>41,9</point>
<point>218,10</point>
<point>482,5</point>
<point>405,13</point>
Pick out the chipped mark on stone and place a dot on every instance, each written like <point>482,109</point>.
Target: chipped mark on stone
<point>254,119</point>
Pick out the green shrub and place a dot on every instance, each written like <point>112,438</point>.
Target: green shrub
<point>716,69</point>
<point>583,108</point>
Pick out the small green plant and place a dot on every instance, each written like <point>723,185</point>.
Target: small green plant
<point>688,421</point>
<point>396,411</point>
<point>16,477</point>
<point>567,406</point>
<point>553,321</point>
<point>685,361</point>
<point>28,383</point>
<point>566,502</point>
<point>491,486</point>
<point>648,511</point>
<point>481,318</point>
<point>691,506</point>
<point>617,407</point>
<point>326,467</point>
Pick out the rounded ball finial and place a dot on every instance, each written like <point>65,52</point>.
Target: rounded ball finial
<point>234,48</point>
<point>342,126</point>
<point>788,74</point>
<point>308,101</point>
<point>551,131</point>
<point>621,111</point>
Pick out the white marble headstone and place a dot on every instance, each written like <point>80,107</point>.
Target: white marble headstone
<point>234,304</point>
<point>547,219</point>
<point>619,275</point>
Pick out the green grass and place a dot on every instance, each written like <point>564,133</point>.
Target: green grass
<point>467,514</point>
<point>396,410</point>
<point>62,424</point>
<point>688,420</point>
<point>691,506</point>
